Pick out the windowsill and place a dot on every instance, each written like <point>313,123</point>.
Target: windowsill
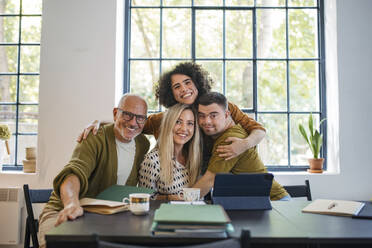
<point>14,172</point>
<point>304,173</point>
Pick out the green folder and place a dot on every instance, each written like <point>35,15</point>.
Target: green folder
<point>189,214</point>
<point>118,192</point>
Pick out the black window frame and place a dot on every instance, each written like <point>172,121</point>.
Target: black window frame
<point>322,113</point>
<point>15,166</point>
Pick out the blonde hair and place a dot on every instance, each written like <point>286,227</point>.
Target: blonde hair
<point>165,144</point>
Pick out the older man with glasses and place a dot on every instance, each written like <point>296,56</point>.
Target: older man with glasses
<point>113,156</point>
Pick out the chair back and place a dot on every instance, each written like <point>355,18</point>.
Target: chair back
<point>33,196</point>
<point>300,190</point>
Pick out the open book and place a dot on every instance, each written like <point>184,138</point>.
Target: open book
<point>109,201</point>
<point>334,207</point>
<point>103,206</point>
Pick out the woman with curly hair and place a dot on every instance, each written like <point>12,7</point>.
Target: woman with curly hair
<point>185,83</point>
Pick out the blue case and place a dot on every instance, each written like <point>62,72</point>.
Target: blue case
<point>246,191</point>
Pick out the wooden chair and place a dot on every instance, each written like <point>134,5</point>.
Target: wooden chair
<point>300,190</point>
<point>32,224</point>
<point>243,242</point>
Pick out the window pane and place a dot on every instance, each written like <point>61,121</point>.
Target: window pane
<point>239,83</point>
<point>176,33</point>
<point>145,31</point>
<point>10,30</point>
<point>215,71</point>
<point>208,33</point>
<point>271,3</point>
<point>23,142</point>
<point>304,85</point>
<point>239,34</point>
<point>271,33</point>
<point>31,6</point>
<point>176,2</point>
<point>8,159</point>
<point>274,148</point>
<point>8,116</point>
<point>300,151</point>
<point>10,7</point>
<point>303,33</point>
<point>27,118</point>
<point>167,65</point>
<point>8,88</point>
<point>29,89</point>
<point>31,27</point>
<point>30,58</point>
<point>239,2</point>
<point>272,85</point>
<point>8,56</point>
<point>145,2</point>
<point>144,75</point>
<point>302,3</point>
<point>208,2</point>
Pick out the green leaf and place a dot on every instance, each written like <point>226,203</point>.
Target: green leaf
<point>303,132</point>
<point>314,145</point>
<point>311,125</point>
<point>320,141</point>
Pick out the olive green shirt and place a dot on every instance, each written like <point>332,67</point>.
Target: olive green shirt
<point>95,162</point>
<point>247,162</point>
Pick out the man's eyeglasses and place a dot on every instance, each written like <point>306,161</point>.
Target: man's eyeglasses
<point>127,116</point>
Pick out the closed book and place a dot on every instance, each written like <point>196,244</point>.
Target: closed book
<point>103,206</point>
<point>187,214</point>
<point>334,207</point>
<point>119,192</point>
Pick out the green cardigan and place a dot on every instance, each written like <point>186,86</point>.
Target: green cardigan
<point>94,161</point>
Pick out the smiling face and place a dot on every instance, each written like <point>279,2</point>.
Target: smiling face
<point>213,119</point>
<point>184,128</point>
<point>125,130</point>
<point>184,89</point>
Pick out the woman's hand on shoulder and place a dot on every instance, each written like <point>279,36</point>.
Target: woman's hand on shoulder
<point>92,127</point>
<point>237,147</point>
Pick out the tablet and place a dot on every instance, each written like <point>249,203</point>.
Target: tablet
<point>245,191</point>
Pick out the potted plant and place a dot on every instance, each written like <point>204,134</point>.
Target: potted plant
<point>315,141</point>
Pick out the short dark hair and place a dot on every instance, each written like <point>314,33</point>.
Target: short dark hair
<point>198,75</point>
<point>213,97</point>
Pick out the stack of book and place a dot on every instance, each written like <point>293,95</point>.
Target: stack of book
<point>191,220</point>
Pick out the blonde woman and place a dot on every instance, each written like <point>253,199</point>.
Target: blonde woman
<point>174,163</point>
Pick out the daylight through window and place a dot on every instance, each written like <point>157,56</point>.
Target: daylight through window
<point>266,56</point>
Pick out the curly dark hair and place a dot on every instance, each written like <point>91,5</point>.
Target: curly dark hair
<point>198,75</point>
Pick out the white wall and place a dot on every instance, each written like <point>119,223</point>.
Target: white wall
<point>78,85</point>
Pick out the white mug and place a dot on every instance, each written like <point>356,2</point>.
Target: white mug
<point>139,203</point>
<point>190,194</point>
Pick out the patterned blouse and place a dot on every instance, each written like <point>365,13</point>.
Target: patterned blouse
<point>149,175</point>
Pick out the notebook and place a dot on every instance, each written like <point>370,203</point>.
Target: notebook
<point>191,214</point>
<point>118,192</point>
<point>334,207</point>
